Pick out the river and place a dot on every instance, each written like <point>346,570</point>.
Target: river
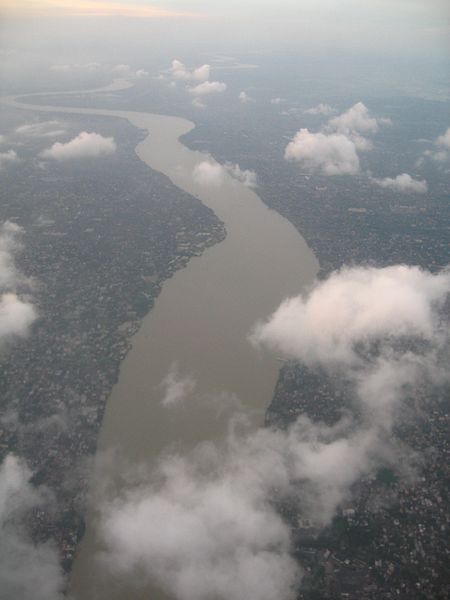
<point>199,327</point>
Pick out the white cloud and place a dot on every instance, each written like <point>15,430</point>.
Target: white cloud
<point>198,103</point>
<point>84,145</point>
<point>277,100</point>
<point>334,150</point>
<point>208,529</point>
<point>179,71</point>
<point>245,176</point>
<point>208,526</point>
<point>245,98</point>
<point>208,87</point>
<point>209,174</point>
<point>441,153</point>
<point>28,571</point>
<point>354,122</point>
<point>127,71</point>
<point>331,154</point>
<point>122,69</point>
<point>356,119</point>
<point>201,73</point>
<point>16,315</point>
<point>213,174</point>
<point>205,525</point>
<point>354,307</point>
<point>7,158</point>
<point>10,234</point>
<point>176,387</point>
<point>91,67</point>
<point>320,109</point>
<point>41,129</point>
<point>444,140</point>
<point>403,183</point>
<point>383,330</point>
<point>141,73</point>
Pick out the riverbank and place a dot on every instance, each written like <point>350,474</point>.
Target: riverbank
<point>199,325</point>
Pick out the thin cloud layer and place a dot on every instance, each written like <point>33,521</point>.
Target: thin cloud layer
<point>84,145</point>
<point>176,387</point>
<point>320,109</point>
<point>332,154</point>
<point>403,183</point>
<point>28,571</point>
<point>41,129</point>
<point>245,98</point>
<point>7,158</point>
<point>126,71</point>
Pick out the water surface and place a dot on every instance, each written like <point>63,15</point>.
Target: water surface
<point>200,323</point>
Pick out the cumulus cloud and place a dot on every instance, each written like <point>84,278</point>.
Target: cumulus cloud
<point>208,87</point>
<point>245,98</point>
<point>331,154</point>
<point>277,100</point>
<point>41,129</point>
<point>209,174</point>
<point>28,571</point>
<point>176,387</point>
<point>213,174</point>
<point>403,183</point>
<point>347,312</point>
<point>7,158</point>
<point>356,119</point>
<point>206,524</point>
<point>334,150</point>
<point>355,122</point>
<point>444,140</point>
<point>245,176</point>
<point>441,150</point>
<point>384,331</point>
<point>16,314</point>
<point>320,109</point>
<point>179,71</point>
<point>84,145</point>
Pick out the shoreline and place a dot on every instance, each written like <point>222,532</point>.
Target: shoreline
<point>200,320</point>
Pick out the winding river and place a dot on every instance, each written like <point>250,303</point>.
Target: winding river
<point>198,329</point>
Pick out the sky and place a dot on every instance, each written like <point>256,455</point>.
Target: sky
<point>397,23</point>
<point>331,327</point>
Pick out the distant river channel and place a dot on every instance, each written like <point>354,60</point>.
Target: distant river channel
<point>198,328</point>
